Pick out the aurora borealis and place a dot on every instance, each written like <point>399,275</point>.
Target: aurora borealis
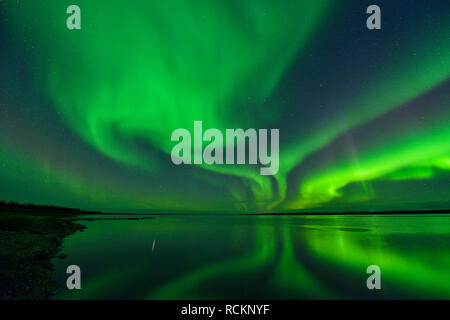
<point>86,115</point>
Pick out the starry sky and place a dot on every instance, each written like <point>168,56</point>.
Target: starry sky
<point>86,115</point>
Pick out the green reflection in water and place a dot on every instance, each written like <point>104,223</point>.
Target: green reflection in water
<point>251,257</point>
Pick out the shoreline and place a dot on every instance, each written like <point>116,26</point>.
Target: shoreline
<point>28,243</point>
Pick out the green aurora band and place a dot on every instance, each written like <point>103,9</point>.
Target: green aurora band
<point>133,74</point>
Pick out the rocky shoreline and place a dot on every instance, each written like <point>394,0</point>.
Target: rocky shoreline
<point>28,243</point>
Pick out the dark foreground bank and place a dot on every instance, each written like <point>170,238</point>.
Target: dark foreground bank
<point>28,243</point>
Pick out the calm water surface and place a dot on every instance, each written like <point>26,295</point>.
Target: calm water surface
<point>253,257</point>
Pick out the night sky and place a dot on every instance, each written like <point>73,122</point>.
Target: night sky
<point>86,115</point>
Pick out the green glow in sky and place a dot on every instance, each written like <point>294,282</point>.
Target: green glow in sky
<point>133,74</point>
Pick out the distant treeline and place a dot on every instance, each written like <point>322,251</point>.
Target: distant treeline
<point>15,206</point>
